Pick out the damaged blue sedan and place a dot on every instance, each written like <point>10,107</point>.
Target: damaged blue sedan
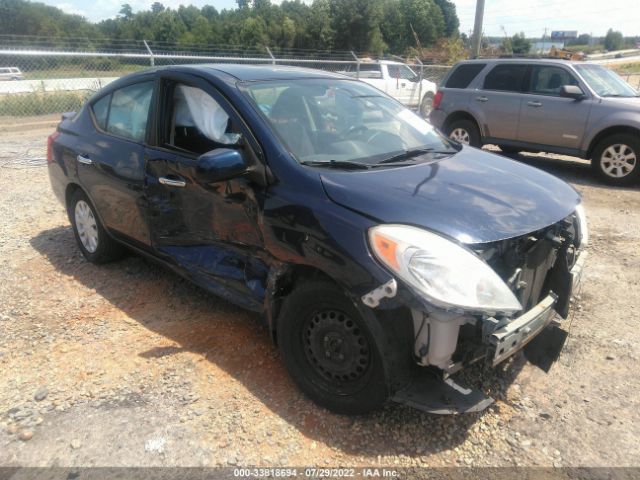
<point>383,256</point>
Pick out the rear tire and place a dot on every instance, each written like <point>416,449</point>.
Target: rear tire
<point>465,132</point>
<point>426,105</point>
<point>616,159</point>
<point>95,243</point>
<point>329,351</point>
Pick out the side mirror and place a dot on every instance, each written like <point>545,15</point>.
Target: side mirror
<point>572,91</point>
<point>220,164</point>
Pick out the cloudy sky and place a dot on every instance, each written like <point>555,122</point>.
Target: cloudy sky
<point>530,17</point>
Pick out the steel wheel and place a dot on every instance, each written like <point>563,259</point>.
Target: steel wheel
<point>87,226</point>
<point>336,348</point>
<point>460,135</point>
<point>618,160</point>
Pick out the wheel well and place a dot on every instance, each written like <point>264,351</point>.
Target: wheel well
<point>72,188</point>
<point>608,132</point>
<point>286,278</point>
<point>455,116</point>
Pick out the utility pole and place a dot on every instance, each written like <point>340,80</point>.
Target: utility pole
<point>544,40</point>
<point>477,29</point>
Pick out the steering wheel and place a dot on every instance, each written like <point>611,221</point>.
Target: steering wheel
<point>353,129</point>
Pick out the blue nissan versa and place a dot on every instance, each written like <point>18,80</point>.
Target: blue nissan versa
<point>383,256</point>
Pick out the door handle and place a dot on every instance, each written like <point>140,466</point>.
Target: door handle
<point>482,99</point>
<point>534,104</point>
<point>172,182</point>
<point>84,160</point>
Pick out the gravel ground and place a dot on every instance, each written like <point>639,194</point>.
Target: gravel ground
<point>127,364</point>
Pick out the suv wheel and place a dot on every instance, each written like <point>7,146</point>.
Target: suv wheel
<point>465,132</point>
<point>94,242</point>
<point>616,159</point>
<point>426,105</point>
<point>329,350</point>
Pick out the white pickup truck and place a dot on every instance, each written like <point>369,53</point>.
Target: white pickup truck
<point>397,80</point>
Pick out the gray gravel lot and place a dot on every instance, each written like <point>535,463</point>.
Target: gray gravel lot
<point>127,364</point>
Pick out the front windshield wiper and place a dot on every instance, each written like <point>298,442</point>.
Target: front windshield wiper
<point>336,164</point>
<point>414,153</point>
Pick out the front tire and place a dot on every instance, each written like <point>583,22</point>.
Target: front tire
<point>465,132</point>
<point>94,242</point>
<point>509,150</point>
<point>616,159</point>
<point>329,351</point>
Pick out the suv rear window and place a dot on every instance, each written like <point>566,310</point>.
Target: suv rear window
<point>464,75</point>
<point>506,78</point>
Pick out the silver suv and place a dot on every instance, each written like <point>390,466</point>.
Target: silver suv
<point>571,108</point>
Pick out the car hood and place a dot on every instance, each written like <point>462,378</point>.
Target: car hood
<point>473,196</point>
<point>627,103</point>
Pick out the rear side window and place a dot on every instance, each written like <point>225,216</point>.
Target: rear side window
<point>462,76</point>
<point>129,111</point>
<point>101,111</point>
<point>371,70</point>
<point>506,78</point>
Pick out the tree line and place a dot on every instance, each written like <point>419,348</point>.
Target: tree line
<point>373,26</point>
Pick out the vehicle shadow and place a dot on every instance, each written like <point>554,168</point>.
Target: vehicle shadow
<point>238,343</point>
<point>570,169</point>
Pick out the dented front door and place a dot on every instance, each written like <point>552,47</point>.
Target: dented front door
<point>210,231</point>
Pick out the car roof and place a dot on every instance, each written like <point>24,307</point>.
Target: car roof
<point>524,60</point>
<point>248,73</point>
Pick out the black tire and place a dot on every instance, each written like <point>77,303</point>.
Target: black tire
<point>426,105</point>
<point>348,377</point>
<point>467,126</point>
<point>107,249</point>
<point>605,166</point>
<point>508,149</point>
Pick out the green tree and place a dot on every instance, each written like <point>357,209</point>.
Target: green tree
<point>451,22</point>
<point>126,11</point>
<point>356,23</point>
<point>157,7</point>
<point>519,44</point>
<point>613,40</point>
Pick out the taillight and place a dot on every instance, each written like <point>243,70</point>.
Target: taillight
<point>437,99</point>
<point>50,139</point>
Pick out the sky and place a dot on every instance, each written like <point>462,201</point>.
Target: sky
<point>530,17</point>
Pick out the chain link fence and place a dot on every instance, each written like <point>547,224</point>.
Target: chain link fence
<point>41,78</point>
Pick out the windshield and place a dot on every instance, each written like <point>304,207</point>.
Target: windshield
<point>605,82</point>
<point>340,121</point>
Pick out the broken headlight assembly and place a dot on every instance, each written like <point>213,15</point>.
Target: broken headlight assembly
<point>445,273</point>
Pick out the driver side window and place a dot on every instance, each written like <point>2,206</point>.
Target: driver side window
<point>197,123</point>
<point>549,80</point>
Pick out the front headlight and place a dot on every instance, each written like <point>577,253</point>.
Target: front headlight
<point>445,273</point>
<point>582,226</point>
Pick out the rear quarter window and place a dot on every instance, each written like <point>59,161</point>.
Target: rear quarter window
<point>101,111</point>
<point>464,74</point>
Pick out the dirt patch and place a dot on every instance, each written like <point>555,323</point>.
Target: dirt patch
<point>128,364</point>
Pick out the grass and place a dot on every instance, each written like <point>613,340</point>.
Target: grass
<point>27,104</point>
<point>626,68</point>
<point>79,72</point>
